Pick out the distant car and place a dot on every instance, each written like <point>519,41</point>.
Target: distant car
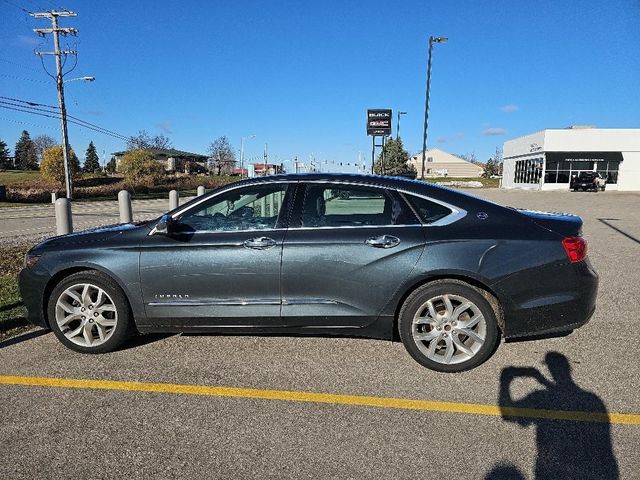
<point>588,181</point>
<point>445,272</point>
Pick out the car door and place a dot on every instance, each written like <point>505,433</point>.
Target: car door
<point>346,252</point>
<point>220,266</point>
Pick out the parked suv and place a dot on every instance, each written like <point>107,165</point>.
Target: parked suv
<point>588,181</point>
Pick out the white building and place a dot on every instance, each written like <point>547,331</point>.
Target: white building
<point>548,159</point>
<point>439,163</point>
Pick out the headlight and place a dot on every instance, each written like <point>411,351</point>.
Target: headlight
<point>30,260</point>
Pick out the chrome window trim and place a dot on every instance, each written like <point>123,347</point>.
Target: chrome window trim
<point>225,190</point>
<point>456,214</point>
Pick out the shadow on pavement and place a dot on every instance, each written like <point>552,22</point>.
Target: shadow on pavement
<point>23,338</point>
<point>565,449</point>
<point>621,232</point>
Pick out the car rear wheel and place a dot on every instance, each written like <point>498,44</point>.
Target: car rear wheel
<point>448,326</point>
<point>89,313</point>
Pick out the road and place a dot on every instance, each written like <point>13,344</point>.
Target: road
<point>169,418</point>
<point>27,222</point>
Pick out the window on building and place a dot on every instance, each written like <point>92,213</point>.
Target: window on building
<point>528,171</point>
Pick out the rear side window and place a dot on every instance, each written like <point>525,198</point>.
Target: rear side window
<point>428,211</point>
<point>352,206</point>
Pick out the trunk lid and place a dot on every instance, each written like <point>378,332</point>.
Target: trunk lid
<point>565,224</point>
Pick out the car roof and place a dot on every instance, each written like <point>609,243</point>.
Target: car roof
<point>438,192</point>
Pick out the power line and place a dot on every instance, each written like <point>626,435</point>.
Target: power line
<point>81,123</point>
<point>33,106</point>
<point>13,77</point>
<point>17,6</point>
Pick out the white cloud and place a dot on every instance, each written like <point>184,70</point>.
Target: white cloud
<point>441,139</point>
<point>28,40</point>
<point>494,131</point>
<point>510,108</point>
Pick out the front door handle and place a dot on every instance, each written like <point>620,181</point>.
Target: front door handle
<point>259,243</point>
<point>384,241</point>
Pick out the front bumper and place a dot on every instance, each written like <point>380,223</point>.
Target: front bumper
<point>558,299</point>
<point>32,283</point>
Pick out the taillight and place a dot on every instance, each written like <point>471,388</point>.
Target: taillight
<point>576,248</point>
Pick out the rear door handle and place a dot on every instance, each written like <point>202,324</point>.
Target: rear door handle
<point>384,241</point>
<point>259,243</point>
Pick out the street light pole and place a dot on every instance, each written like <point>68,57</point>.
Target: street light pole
<point>432,40</point>
<point>248,137</point>
<point>398,124</point>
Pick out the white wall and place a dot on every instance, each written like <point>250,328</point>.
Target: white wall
<point>593,140</point>
<point>629,173</point>
<point>524,145</point>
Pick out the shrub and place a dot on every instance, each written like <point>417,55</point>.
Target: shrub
<point>52,165</point>
<point>138,166</point>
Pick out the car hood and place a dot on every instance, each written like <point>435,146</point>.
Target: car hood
<point>92,236</point>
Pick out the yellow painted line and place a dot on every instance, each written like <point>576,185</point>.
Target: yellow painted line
<point>330,398</point>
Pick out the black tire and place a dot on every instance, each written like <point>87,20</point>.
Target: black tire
<point>344,195</point>
<point>448,287</point>
<point>124,327</point>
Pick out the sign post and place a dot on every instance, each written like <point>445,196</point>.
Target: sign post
<point>378,125</point>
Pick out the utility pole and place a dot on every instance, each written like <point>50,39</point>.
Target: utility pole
<point>56,30</point>
<point>432,40</point>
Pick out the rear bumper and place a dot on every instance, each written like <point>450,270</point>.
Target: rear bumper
<point>560,300</point>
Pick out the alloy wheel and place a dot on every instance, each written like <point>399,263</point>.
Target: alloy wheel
<point>86,315</point>
<point>449,329</point>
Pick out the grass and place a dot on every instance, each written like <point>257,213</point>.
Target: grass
<point>15,177</point>
<point>486,182</point>
<point>12,312</point>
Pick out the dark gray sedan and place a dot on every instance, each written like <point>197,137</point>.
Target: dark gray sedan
<point>330,254</point>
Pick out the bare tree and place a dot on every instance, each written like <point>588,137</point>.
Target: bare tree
<point>221,156</point>
<point>42,142</point>
<point>143,141</point>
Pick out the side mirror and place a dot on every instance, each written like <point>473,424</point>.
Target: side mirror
<point>166,225</point>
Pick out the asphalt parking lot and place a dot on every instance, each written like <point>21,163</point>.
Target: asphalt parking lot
<point>357,420</point>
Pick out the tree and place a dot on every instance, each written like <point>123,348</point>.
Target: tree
<point>25,153</point>
<point>110,167</point>
<point>494,165</point>
<point>138,166</point>
<point>52,164</point>
<point>91,160</point>
<point>222,159</point>
<point>396,159</point>
<point>42,142</point>
<point>5,161</point>
<point>144,141</point>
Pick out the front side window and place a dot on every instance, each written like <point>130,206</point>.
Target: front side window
<point>251,208</point>
<point>353,206</point>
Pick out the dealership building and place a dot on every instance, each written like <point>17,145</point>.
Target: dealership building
<point>547,160</point>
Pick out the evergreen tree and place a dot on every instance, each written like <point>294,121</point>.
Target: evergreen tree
<point>91,160</point>
<point>5,161</point>
<point>396,159</point>
<point>111,165</point>
<point>25,153</point>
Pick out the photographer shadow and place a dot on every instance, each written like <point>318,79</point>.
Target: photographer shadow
<point>565,449</point>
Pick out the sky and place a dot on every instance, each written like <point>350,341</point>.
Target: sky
<point>300,75</point>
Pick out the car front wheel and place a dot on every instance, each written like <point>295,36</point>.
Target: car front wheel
<point>89,313</point>
<point>448,326</point>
